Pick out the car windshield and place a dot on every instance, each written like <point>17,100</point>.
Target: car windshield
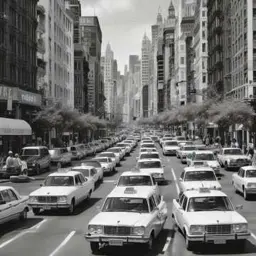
<point>181,138</point>
<point>114,150</point>
<point>102,160</point>
<point>54,152</point>
<point>148,146</point>
<point>146,150</point>
<point>151,164</point>
<point>251,173</point>
<point>73,149</point>
<point>199,176</point>
<point>92,163</point>
<point>85,172</point>
<point>147,156</point>
<point>59,181</point>
<point>126,204</point>
<point>30,152</point>
<point>171,143</point>
<point>209,203</point>
<point>107,155</point>
<point>189,148</point>
<point>204,157</point>
<point>233,151</point>
<point>135,181</point>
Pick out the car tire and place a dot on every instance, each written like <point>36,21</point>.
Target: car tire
<point>95,247</point>
<point>189,244</point>
<point>24,215</point>
<point>226,166</point>
<point>245,195</point>
<point>71,208</point>
<point>36,211</point>
<point>149,245</point>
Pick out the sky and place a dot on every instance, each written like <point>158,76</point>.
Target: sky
<point>124,23</point>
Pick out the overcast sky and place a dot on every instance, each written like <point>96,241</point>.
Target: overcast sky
<point>124,22</point>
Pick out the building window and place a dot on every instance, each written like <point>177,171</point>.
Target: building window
<point>203,34</point>
<point>182,47</point>
<point>203,13</point>
<point>204,47</point>
<point>182,60</point>
<point>203,24</point>
<point>204,78</point>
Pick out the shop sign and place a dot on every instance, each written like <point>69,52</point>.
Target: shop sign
<point>8,93</point>
<point>30,98</point>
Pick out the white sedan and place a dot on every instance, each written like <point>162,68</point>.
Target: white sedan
<point>170,147</point>
<point>12,205</point>
<point>245,181</point>
<point>107,164</point>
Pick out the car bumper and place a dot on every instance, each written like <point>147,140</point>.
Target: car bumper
<point>170,152</point>
<point>53,206</point>
<point>213,238</point>
<point>121,239</point>
<point>236,165</point>
<point>251,190</point>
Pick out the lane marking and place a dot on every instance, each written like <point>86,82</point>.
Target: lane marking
<point>30,230</point>
<point>108,181</point>
<point>175,180</point>
<point>64,242</point>
<point>253,236</point>
<point>168,241</point>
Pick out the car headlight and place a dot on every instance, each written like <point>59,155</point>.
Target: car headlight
<point>140,231</point>
<point>95,229</point>
<point>249,185</point>
<point>240,228</point>
<point>197,229</point>
<point>32,199</point>
<point>62,199</point>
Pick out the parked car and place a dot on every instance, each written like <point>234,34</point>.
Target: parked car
<point>77,154</point>
<point>60,156</point>
<point>37,157</point>
<point>106,163</point>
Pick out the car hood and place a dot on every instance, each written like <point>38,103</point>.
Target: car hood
<point>187,185</point>
<point>30,159</point>
<point>235,157</point>
<point>215,217</point>
<point>171,147</point>
<point>213,163</point>
<point>153,170</point>
<point>120,218</point>
<point>53,191</point>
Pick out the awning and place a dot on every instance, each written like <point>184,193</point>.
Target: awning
<point>14,127</point>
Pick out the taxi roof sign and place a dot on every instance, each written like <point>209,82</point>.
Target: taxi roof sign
<point>204,190</point>
<point>130,190</point>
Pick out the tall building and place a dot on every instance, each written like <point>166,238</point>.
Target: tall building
<point>59,53</point>
<point>134,60</point>
<point>108,78</point>
<point>200,47</point>
<point>145,70</point>
<point>169,55</point>
<point>19,95</point>
<point>215,16</point>
<point>91,39</point>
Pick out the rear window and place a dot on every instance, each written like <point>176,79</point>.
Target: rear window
<point>30,152</point>
<point>92,163</point>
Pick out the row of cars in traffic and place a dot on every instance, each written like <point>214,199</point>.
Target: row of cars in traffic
<point>36,159</point>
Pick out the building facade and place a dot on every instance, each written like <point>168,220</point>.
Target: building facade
<point>200,47</point>
<point>91,39</point>
<point>134,61</point>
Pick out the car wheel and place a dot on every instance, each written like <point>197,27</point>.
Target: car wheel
<point>245,194</point>
<point>36,211</point>
<point>189,244</point>
<point>71,208</point>
<point>24,214</point>
<point>95,247</point>
<point>150,243</point>
<point>226,166</point>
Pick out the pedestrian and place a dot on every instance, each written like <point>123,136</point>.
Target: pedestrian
<point>234,143</point>
<point>10,162</point>
<point>250,150</point>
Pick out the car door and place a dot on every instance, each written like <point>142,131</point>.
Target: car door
<point>155,216</point>
<point>240,179</point>
<point>5,207</point>
<point>181,217</point>
<point>79,192</point>
<point>177,207</point>
<point>94,175</point>
<point>87,185</point>
<point>17,205</point>
<point>161,204</point>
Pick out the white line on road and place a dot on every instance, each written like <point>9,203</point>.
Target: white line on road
<point>37,226</point>
<point>253,236</point>
<point>176,182</point>
<point>65,241</point>
<point>168,241</point>
<point>108,181</point>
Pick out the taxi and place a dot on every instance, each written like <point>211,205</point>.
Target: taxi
<point>170,147</point>
<point>129,215</point>
<point>184,151</point>
<point>147,149</point>
<point>135,178</point>
<point>12,205</point>
<point>107,164</point>
<point>197,177</point>
<point>152,166</point>
<point>148,155</point>
<point>244,181</point>
<point>64,189</point>
<point>208,216</point>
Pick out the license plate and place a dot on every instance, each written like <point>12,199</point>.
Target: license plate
<point>116,243</point>
<point>47,207</point>
<point>219,241</point>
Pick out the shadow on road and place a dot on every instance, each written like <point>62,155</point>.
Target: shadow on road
<point>85,205</point>
<point>228,249</point>
<point>136,250</point>
<point>17,225</point>
<point>166,183</point>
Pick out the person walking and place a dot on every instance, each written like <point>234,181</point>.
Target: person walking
<point>10,160</point>
<point>234,143</point>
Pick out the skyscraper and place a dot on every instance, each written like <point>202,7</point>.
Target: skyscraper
<point>133,61</point>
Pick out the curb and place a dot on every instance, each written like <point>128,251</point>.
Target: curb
<point>4,181</point>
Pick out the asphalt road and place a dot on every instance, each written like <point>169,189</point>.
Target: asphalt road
<point>55,233</point>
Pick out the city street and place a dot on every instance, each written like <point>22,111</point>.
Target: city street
<point>56,233</point>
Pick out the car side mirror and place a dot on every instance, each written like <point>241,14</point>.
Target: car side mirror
<point>2,202</point>
<point>239,207</point>
<point>219,178</point>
